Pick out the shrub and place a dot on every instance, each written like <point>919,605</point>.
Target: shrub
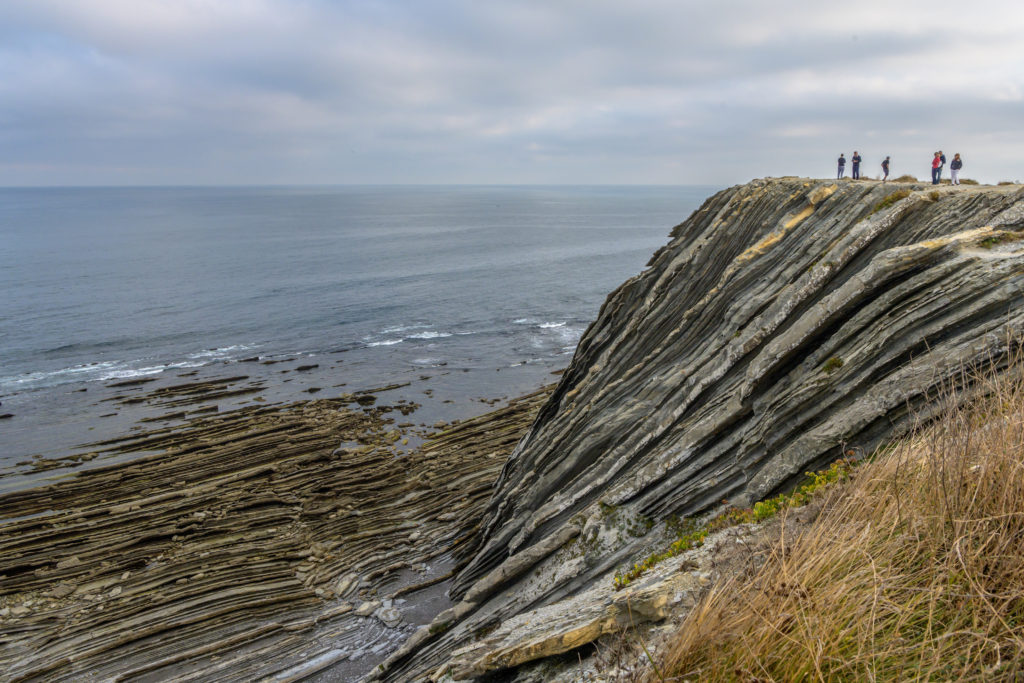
<point>1006,182</point>
<point>905,179</point>
<point>968,181</point>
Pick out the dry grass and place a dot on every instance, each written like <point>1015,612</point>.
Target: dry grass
<point>914,570</point>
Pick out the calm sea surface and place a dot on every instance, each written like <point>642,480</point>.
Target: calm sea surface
<point>389,283</point>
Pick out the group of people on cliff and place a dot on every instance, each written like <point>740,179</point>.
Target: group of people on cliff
<point>938,164</point>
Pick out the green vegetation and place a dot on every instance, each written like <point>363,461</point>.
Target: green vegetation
<point>1006,182</point>
<point>933,195</point>
<point>890,200</point>
<point>832,364</point>
<point>691,535</point>
<point>905,179</point>
<point>911,572</point>
<point>999,238</point>
<point>436,629</point>
<point>968,181</point>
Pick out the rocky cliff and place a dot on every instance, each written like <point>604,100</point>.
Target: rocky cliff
<point>787,322</point>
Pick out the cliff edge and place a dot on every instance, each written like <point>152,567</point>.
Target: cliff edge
<point>788,322</point>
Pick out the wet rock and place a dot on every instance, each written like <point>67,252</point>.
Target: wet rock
<point>389,616</point>
<point>366,608</point>
<point>213,520</point>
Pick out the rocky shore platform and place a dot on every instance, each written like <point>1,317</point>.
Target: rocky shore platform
<point>267,541</point>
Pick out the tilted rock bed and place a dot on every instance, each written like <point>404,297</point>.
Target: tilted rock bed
<point>235,546</point>
<point>788,322</point>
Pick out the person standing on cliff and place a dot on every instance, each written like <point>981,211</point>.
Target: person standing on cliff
<point>942,164</point>
<point>856,164</point>
<point>842,166</point>
<point>885,169</point>
<point>936,166</point>
<point>954,169</point>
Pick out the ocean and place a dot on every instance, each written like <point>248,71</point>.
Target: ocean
<point>464,294</point>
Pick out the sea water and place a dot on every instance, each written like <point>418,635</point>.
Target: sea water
<point>374,284</point>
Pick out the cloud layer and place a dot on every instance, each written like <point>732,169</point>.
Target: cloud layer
<point>456,91</point>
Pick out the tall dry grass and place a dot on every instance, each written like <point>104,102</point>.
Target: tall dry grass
<point>913,571</point>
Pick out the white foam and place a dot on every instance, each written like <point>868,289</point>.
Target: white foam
<point>386,342</point>
<point>430,335</point>
<point>548,326</point>
<point>221,352</point>
<point>404,328</point>
<point>74,373</point>
<point>128,374</point>
<point>115,369</point>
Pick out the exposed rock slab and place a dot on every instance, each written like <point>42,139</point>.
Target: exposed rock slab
<point>787,322</point>
<point>237,546</point>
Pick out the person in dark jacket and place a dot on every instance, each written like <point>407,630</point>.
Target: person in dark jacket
<point>842,165</point>
<point>936,168</point>
<point>942,163</point>
<point>885,169</point>
<point>856,164</point>
<point>954,169</point>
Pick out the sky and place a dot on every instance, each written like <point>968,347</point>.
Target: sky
<point>242,92</point>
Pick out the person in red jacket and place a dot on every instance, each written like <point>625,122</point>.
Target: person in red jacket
<point>936,168</point>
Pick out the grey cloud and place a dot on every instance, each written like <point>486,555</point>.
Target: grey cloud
<point>316,91</point>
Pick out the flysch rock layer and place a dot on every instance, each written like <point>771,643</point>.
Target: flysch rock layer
<point>240,546</point>
<point>788,322</point>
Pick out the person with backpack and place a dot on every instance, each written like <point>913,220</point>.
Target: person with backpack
<point>942,164</point>
<point>885,169</point>
<point>954,169</point>
<point>842,166</point>
<point>856,164</point>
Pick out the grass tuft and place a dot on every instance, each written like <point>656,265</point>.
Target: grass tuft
<point>913,570</point>
<point>999,238</point>
<point>832,364</point>
<point>890,200</point>
<point>690,535</point>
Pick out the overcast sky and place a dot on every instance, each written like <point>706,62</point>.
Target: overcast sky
<point>493,91</point>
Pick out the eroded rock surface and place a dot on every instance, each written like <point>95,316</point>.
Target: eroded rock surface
<point>239,546</point>
<point>788,322</point>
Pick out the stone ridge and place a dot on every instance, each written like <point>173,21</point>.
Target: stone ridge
<point>787,322</point>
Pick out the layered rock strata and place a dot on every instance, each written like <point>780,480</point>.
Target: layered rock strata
<point>787,323</point>
<point>240,545</point>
